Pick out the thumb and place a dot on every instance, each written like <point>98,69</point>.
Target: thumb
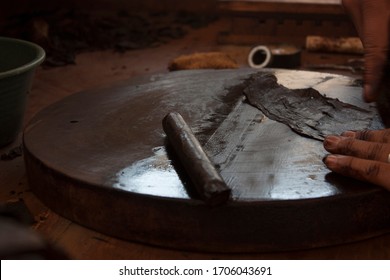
<point>376,45</point>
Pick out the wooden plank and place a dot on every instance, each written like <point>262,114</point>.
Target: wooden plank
<point>280,7</point>
<point>267,30</point>
<point>332,7</point>
<point>267,22</point>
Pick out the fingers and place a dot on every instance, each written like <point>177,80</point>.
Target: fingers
<point>357,148</point>
<point>375,38</point>
<point>381,136</point>
<point>371,19</point>
<point>363,155</point>
<point>367,170</point>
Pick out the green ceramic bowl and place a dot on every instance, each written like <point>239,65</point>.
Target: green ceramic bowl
<point>18,61</point>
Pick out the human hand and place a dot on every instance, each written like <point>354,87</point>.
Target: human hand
<point>371,19</point>
<point>362,155</point>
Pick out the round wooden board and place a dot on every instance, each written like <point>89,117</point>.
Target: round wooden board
<point>100,159</point>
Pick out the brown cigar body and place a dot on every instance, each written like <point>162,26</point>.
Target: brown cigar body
<point>206,180</point>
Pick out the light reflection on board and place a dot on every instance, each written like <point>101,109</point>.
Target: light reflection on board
<point>153,176</point>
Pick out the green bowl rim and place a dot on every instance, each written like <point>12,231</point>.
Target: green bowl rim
<point>26,67</point>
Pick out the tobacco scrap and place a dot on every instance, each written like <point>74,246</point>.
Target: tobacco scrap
<point>305,111</point>
<point>65,33</point>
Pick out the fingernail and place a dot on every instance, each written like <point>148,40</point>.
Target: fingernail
<point>351,134</point>
<point>330,161</point>
<point>331,142</point>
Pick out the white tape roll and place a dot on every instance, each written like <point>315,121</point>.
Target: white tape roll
<point>259,57</point>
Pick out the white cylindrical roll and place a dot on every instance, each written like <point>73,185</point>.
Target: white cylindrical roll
<point>259,57</point>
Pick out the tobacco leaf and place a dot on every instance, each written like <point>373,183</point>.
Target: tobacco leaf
<point>305,111</point>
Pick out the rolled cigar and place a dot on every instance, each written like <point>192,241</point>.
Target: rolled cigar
<point>205,178</point>
<point>351,45</point>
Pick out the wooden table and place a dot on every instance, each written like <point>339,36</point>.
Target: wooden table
<point>266,22</point>
<point>104,68</point>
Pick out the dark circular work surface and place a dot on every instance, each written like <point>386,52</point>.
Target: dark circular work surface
<point>100,159</point>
